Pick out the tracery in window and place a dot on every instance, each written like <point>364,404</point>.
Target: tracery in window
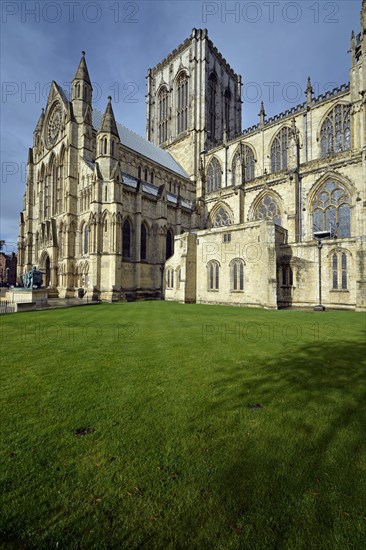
<point>279,150</point>
<point>335,133</point>
<point>213,176</point>
<point>221,218</point>
<point>182,103</point>
<point>268,209</point>
<point>331,210</point>
<point>163,115</point>
<point>246,157</point>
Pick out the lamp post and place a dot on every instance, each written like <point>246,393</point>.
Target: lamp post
<point>319,236</point>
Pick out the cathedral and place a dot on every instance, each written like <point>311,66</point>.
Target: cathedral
<point>201,211</point>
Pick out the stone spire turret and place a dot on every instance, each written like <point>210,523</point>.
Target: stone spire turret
<point>82,92</point>
<point>109,125</point>
<point>108,142</point>
<point>309,93</point>
<point>82,73</point>
<point>262,115</point>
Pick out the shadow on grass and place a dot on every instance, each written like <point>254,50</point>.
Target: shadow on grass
<point>296,478</point>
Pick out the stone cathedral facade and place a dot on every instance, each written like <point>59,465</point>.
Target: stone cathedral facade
<point>201,211</point>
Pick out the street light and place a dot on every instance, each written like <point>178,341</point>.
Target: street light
<point>319,236</point>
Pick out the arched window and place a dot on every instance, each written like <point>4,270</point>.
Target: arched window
<point>163,115</point>
<point>227,99</point>
<point>331,210</point>
<point>169,244</point>
<point>286,276</point>
<point>112,148</point>
<point>182,103</point>
<point>247,156</point>
<point>268,209</point>
<point>212,87</point>
<point>179,272</point>
<point>86,240</point>
<point>105,145</point>
<point>236,169</point>
<point>221,218</point>
<point>213,273</point>
<point>249,163</point>
<point>143,242</point>
<point>213,176</point>
<point>339,270</point>
<point>60,188</point>
<point>139,173</point>
<point>335,133</point>
<point>237,274</point>
<point>170,278</point>
<point>279,150</point>
<point>126,239</point>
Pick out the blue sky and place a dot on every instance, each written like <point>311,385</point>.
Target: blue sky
<point>274,45</point>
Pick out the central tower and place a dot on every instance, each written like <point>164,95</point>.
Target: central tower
<point>193,101</point>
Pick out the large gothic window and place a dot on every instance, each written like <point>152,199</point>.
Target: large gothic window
<point>331,210</point>
<point>221,218</point>
<point>182,103</point>
<point>163,115</point>
<point>268,209</point>
<point>126,239</point>
<point>227,112</point>
<point>335,133</point>
<point>213,176</point>
<point>212,85</point>
<point>279,150</point>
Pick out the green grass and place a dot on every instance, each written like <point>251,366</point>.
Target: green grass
<point>178,459</point>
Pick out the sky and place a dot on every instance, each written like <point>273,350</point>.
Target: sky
<point>274,45</point>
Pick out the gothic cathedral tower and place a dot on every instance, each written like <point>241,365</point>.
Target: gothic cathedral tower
<point>193,102</point>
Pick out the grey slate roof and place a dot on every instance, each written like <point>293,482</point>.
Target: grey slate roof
<point>140,145</point>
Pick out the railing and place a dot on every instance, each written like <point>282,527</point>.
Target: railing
<point>7,307</point>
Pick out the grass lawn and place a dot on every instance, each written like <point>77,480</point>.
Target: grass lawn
<point>214,427</point>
